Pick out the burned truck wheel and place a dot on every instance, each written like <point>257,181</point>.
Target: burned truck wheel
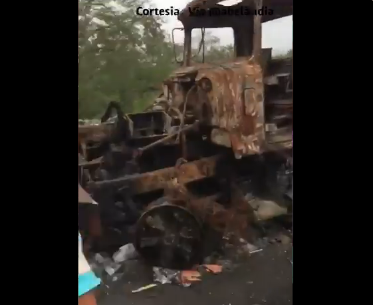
<point>169,235</point>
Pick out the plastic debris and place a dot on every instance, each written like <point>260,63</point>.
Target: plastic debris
<point>117,276</point>
<point>184,278</point>
<point>125,253</point>
<point>108,265</point>
<point>255,251</point>
<point>268,209</point>
<point>144,288</point>
<point>165,276</point>
<point>105,268</point>
<point>247,247</point>
<point>189,276</point>
<point>213,268</point>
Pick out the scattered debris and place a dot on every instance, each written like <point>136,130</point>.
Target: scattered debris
<point>124,253</point>
<point>189,276</point>
<point>144,288</point>
<point>165,276</point>
<point>246,246</point>
<point>214,268</point>
<point>284,239</point>
<point>255,251</point>
<point>267,209</point>
<point>183,277</point>
<point>106,263</point>
<point>281,238</point>
<point>122,178</point>
<point>168,276</point>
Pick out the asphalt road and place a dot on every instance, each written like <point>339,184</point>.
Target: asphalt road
<point>265,278</point>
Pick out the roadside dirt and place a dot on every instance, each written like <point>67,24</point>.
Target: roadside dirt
<point>263,279</point>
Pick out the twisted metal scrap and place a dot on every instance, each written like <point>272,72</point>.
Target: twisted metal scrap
<point>232,221</point>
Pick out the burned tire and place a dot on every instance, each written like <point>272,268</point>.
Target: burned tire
<point>169,236</point>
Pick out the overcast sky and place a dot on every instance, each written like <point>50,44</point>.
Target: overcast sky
<point>276,34</point>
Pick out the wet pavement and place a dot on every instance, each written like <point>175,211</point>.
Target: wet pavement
<point>263,279</point>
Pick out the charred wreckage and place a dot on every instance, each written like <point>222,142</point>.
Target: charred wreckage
<point>218,136</point>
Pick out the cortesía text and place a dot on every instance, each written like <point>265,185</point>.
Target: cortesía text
<point>228,11</point>
<point>157,11</point>
<point>200,12</point>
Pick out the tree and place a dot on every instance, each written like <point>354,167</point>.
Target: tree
<point>122,56</point>
<point>125,57</point>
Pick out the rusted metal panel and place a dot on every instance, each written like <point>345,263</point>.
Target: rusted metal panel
<point>236,104</point>
<point>233,220</point>
<point>158,179</point>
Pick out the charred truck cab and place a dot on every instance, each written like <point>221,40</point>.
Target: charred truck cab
<point>247,102</point>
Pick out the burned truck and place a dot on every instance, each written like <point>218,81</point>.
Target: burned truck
<point>216,138</point>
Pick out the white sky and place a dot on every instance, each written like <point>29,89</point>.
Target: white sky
<point>277,34</point>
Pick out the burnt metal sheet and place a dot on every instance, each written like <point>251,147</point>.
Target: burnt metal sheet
<point>151,181</point>
<point>236,104</point>
<point>230,221</point>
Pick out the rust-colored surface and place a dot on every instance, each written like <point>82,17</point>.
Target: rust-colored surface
<point>188,276</point>
<point>167,138</point>
<point>87,299</point>
<point>231,221</point>
<point>234,104</point>
<point>214,268</point>
<point>158,179</point>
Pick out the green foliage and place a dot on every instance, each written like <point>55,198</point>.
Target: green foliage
<point>122,56</point>
<point>125,57</point>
